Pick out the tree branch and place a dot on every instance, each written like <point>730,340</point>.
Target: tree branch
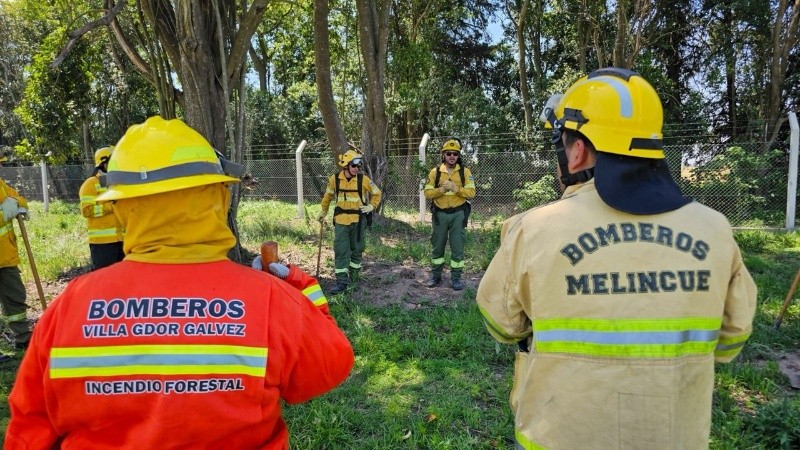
<point>76,34</point>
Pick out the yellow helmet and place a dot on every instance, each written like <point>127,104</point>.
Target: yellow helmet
<point>102,155</point>
<point>161,156</point>
<point>452,145</point>
<point>617,110</point>
<point>350,156</point>
<point>3,157</point>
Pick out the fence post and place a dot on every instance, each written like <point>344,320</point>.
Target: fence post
<point>791,186</point>
<point>422,146</point>
<point>45,193</point>
<point>301,214</point>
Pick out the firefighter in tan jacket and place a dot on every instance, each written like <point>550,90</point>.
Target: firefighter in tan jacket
<point>623,294</point>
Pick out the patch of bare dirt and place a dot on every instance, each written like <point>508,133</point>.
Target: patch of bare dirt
<point>789,365</point>
<point>403,284</point>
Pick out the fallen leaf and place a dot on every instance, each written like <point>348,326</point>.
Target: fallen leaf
<point>430,418</point>
<point>406,436</point>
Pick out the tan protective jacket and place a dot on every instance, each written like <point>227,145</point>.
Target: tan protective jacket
<point>9,256</point>
<point>103,225</point>
<point>624,316</point>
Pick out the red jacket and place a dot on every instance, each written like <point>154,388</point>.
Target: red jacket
<point>140,355</point>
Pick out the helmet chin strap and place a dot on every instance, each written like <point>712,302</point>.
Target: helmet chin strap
<point>567,179</point>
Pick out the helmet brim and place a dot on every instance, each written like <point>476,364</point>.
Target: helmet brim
<point>637,185</point>
<point>118,192</point>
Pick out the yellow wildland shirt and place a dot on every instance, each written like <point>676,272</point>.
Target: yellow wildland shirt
<point>349,197</point>
<point>449,199</point>
<point>624,316</point>
<point>9,256</point>
<point>103,225</point>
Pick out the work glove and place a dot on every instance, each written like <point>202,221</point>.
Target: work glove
<point>366,209</point>
<point>10,208</point>
<point>24,213</point>
<point>321,217</point>
<point>449,186</point>
<point>277,269</point>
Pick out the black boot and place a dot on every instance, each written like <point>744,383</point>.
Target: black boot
<point>456,283</point>
<point>339,288</point>
<point>434,280</point>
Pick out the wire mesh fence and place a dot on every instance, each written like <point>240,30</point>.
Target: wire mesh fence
<point>503,166</point>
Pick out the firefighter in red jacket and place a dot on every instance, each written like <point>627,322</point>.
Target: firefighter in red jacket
<point>176,346</point>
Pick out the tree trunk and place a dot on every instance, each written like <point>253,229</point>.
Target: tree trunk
<point>521,64</point>
<point>373,29</point>
<point>322,62</point>
<point>785,37</point>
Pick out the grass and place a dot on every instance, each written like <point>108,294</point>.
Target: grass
<point>431,377</point>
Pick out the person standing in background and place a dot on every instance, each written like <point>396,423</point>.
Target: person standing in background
<point>450,187</point>
<point>105,231</point>
<point>12,290</point>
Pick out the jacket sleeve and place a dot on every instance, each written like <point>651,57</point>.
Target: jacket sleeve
<point>329,192</point>
<point>314,355</point>
<point>468,190</point>
<point>30,426</point>
<point>498,299</point>
<point>309,287</point>
<point>740,307</point>
<point>431,192</point>
<point>7,191</point>
<point>369,187</point>
<point>89,206</point>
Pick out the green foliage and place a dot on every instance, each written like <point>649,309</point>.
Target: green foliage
<point>745,178</point>
<point>537,193</point>
<point>55,102</point>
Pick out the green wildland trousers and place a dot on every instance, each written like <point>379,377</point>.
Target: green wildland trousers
<point>12,298</point>
<point>348,245</point>
<point>448,226</point>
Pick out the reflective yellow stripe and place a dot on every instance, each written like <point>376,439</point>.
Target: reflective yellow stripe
<point>315,294</point>
<point>630,338</point>
<point>497,331</point>
<point>98,210</point>
<point>102,232</point>
<point>437,261</point>
<point>5,228</point>
<point>730,346</point>
<point>428,186</point>
<point>523,443</point>
<point>355,265</point>
<point>73,362</point>
<point>21,317</point>
<point>88,198</point>
<point>456,264</point>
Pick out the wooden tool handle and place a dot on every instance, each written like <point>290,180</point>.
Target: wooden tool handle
<point>269,253</point>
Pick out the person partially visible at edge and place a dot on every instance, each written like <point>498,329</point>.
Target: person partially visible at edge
<point>355,197</point>
<point>622,294</point>
<point>12,290</point>
<point>450,186</point>
<point>105,231</point>
<point>176,346</point>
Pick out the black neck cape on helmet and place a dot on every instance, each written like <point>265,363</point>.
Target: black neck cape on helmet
<point>621,115</point>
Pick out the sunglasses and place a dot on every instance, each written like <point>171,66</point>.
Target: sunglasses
<point>450,153</point>
<point>354,165</point>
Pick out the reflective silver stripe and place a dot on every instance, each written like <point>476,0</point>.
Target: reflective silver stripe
<point>166,173</point>
<point>625,101</point>
<point>174,359</point>
<point>21,317</point>
<point>628,337</point>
